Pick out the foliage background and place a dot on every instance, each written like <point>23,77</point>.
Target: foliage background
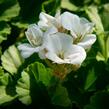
<point>29,83</point>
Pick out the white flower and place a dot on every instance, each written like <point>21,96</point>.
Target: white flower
<point>59,49</point>
<point>35,37</point>
<point>46,21</point>
<point>80,29</point>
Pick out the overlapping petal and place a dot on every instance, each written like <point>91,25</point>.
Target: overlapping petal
<point>87,41</point>
<point>59,49</point>
<point>27,50</point>
<point>80,29</point>
<point>46,21</point>
<point>34,35</point>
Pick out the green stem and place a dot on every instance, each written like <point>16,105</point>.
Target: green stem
<point>106,49</point>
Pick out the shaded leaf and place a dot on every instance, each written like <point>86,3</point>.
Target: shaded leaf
<point>104,14</point>
<point>28,86</point>
<point>99,101</point>
<point>60,97</point>
<point>41,73</point>
<point>30,10</point>
<point>91,78</point>
<point>52,5</point>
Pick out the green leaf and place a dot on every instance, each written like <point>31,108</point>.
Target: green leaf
<point>52,5</point>
<point>11,11</point>
<point>4,93</point>
<point>108,46</point>
<point>29,10</point>
<point>1,71</point>
<point>20,24</point>
<point>104,16</point>
<point>23,88</point>
<point>11,59</point>
<point>0,51</point>
<point>60,97</point>
<point>100,57</point>
<point>91,78</point>
<point>4,31</point>
<point>4,77</point>
<point>66,4</point>
<point>4,97</point>
<point>81,3</point>
<point>99,101</point>
<point>41,73</point>
<point>94,16</point>
<point>28,84</point>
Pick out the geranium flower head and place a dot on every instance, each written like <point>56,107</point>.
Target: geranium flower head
<point>59,49</point>
<point>80,28</point>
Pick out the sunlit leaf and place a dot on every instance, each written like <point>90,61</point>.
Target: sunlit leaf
<point>66,4</point>
<point>11,59</point>
<point>23,88</point>
<point>20,24</point>
<point>4,97</point>
<point>4,94</point>
<point>4,31</point>
<point>10,12</point>
<point>94,16</point>
<point>100,57</point>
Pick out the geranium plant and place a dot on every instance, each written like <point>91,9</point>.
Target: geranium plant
<point>54,54</point>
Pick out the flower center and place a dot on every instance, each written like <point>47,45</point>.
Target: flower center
<point>61,55</point>
<point>78,39</point>
<point>35,42</point>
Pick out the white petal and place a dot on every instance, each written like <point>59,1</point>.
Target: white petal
<point>42,52</point>
<point>70,21</point>
<point>27,50</point>
<point>44,16</point>
<point>50,31</point>
<point>58,42</point>
<point>87,41</point>
<point>75,55</point>
<point>43,25</point>
<point>45,21</point>
<point>52,56</point>
<point>86,26</point>
<point>34,35</point>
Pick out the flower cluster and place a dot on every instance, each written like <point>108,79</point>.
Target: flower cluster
<point>62,39</point>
